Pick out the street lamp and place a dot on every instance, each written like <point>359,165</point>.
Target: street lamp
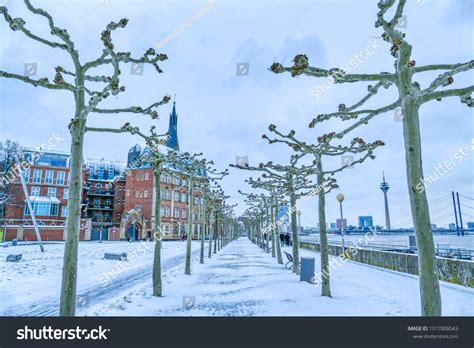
<point>340,199</point>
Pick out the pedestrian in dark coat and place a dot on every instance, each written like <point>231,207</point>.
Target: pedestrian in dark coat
<point>282,239</point>
<point>287,239</point>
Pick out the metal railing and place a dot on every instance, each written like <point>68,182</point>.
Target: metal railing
<point>446,252</point>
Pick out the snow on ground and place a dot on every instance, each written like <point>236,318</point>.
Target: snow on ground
<point>242,280</point>
<point>32,286</point>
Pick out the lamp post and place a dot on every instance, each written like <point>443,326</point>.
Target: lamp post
<point>340,199</point>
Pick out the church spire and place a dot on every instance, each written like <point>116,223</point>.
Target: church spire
<point>173,129</point>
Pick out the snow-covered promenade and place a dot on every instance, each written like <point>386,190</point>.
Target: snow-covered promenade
<point>243,280</point>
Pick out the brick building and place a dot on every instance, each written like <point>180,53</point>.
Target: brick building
<point>117,203</point>
<point>104,198</point>
<point>139,195</point>
<point>46,177</point>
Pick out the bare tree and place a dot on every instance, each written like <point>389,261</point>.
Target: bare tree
<point>10,153</point>
<point>86,101</point>
<point>325,177</point>
<point>293,180</point>
<point>195,169</point>
<point>210,199</point>
<point>411,96</point>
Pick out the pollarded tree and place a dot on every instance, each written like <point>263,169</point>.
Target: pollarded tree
<point>160,158</point>
<point>208,196</point>
<point>294,180</point>
<point>276,199</point>
<point>214,202</point>
<point>196,169</point>
<point>262,202</point>
<point>411,96</point>
<point>325,177</point>
<point>86,100</point>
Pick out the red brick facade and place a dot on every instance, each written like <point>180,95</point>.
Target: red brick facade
<point>174,200</point>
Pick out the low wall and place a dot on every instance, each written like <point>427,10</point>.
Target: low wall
<point>450,270</point>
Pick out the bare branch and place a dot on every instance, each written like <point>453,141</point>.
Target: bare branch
<point>136,109</point>
<point>464,93</point>
<point>61,33</point>
<point>19,24</point>
<point>447,78</point>
<point>301,67</point>
<point>43,82</point>
<point>437,67</point>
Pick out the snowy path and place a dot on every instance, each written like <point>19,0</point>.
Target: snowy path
<point>26,300</point>
<point>242,280</point>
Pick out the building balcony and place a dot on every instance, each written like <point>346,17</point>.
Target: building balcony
<point>100,207</point>
<point>94,192</point>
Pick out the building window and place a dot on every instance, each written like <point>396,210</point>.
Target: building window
<point>183,213</point>
<point>98,186</point>
<point>128,192</point>
<point>145,194</point>
<point>37,176</point>
<point>66,193</point>
<point>168,195</point>
<point>48,177</point>
<point>167,211</point>
<point>162,209</point>
<point>176,212</point>
<point>35,191</point>
<point>183,197</point>
<point>185,182</point>
<point>146,176</point>
<point>168,179</point>
<point>108,202</point>
<point>51,191</point>
<point>60,178</point>
<point>138,207</point>
<point>44,209</point>
<point>137,194</point>
<point>64,211</point>
<point>176,196</point>
<point>96,202</point>
<point>26,175</point>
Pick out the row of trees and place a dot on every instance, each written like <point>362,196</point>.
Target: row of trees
<point>292,180</point>
<point>81,81</point>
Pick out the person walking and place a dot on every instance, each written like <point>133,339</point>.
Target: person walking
<point>287,239</point>
<point>282,239</point>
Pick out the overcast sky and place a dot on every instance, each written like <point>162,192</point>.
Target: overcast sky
<point>224,115</point>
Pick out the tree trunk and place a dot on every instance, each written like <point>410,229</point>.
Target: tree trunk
<point>190,226</point>
<point>211,234</point>
<point>427,266</point>
<point>294,228</point>
<point>67,304</point>
<point>216,231</point>
<point>325,286</point>
<point>267,232</point>
<point>203,232</point>
<point>277,242</point>
<point>157,284</point>
<point>272,221</point>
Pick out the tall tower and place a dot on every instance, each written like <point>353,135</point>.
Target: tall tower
<point>384,187</point>
<point>173,129</point>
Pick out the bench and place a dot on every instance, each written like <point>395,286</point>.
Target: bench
<point>289,264</point>
<point>119,257</point>
<point>13,258</point>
